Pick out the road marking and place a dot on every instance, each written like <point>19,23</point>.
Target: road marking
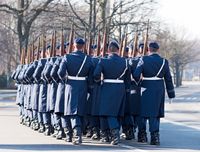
<point>132,148</point>
<point>181,124</point>
<point>186,98</point>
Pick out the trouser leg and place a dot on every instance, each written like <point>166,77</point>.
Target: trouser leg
<point>142,135</point>
<point>154,124</point>
<point>76,127</point>
<point>114,129</point>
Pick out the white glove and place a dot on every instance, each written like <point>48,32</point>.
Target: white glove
<point>170,100</point>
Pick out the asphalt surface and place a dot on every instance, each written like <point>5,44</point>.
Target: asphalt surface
<point>179,130</point>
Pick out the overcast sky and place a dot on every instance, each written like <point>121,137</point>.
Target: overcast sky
<point>181,14</point>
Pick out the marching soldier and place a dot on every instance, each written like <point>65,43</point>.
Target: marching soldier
<point>93,102</point>
<point>61,122</point>
<point>155,71</point>
<point>76,67</point>
<point>42,90</point>
<point>35,93</point>
<point>114,69</point>
<point>135,92</point>
<point>23,100</point>
<point>19,90</point>
<point>127,120</point>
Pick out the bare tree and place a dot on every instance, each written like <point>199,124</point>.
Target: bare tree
<point>25,13</point>
<point>178,50</point>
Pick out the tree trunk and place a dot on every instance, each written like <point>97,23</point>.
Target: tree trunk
<point>103,13</point>
<point>120,20</point>
<point>178,74</point>
<point>94,20</point>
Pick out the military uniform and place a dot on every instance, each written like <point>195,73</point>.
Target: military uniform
<point>127,120</point>
<point>19,90</point>
<point>75,68</point>
<point>113,92</point>
<point>62,122</point>
<point>35,93</point>
<point>42,92</point>
<point>155,71</point>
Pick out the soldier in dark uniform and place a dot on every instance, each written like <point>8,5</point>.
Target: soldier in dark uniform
<point>127,121</point>
<point>27,103</point>
<point>35,93</point>
<point>113,93</point>
<point>63,122</point>
<point>93,129</point>
<point>42,91</point>
<point>23,100</point>
<point>19,90</point>
<point>135,92</point>
<point>44,95</point>
<point>155,71</point>
<point>76,67</point>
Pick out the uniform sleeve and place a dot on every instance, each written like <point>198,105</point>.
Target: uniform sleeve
<point>13,74</point>
<point>90,75</point>
<point>62,69</point>
<point>138,71</point>
<point>169,82</point>
<point>54,71</point>
<point>29,72</point>
<point>127,79</point>
<point>48,71</point>
<point>20,76</point>
<point>97,72</point>
<point>37,73</point>
<point>17,75</point>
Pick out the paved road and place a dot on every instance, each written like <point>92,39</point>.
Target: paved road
<point>180,129</point>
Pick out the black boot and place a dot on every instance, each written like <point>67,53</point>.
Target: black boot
<point>68,133</point>
<point>104,135</point>
<point>60,133</point>
<point>36,125</point>
<point>41,128</point>
<point>55,131</point>
<point>114,136</point>
<point>142,136</point>
<point>129,133</point>
<point>96,133</point>
<point>155,139</point>
<point>89,132</point>
<point>21,119</point>
<point>48,130</point>
<point>77,139</point>
<point>27,122</point>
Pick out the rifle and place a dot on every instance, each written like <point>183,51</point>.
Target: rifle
<point>89,45</point>
<point>62,48</point>
<point>104,43</point>
<point>98,43</point>
<point>121,45</point>
<point>33,53</point>
<point>71,38</point>
<point>38,49</point>
<point>43,46</point>
<point>124,45</point>
<point>146,40</point>
<point>28,55</point>
<point>85,46</point>
<point>22,56</point>
<point>54,44</point>
<point>135,44</point>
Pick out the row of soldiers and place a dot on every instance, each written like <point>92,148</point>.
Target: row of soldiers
<point>70,94</point>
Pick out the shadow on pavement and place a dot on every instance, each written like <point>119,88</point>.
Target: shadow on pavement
<point>172,137</point>
<point>53,147</point>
